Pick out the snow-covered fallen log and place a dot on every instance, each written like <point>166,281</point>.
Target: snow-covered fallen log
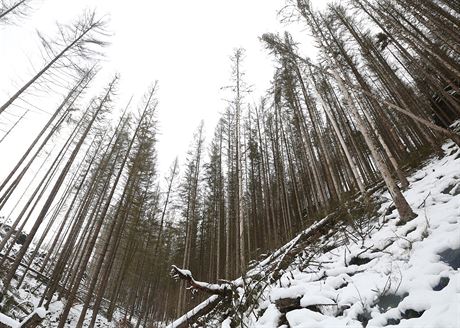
<point>196,312</point>
<point>31,321</point>
<point>275,264</point>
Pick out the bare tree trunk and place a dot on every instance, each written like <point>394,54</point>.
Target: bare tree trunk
<point>54,192</point>
<point>405,212</point>
<point>69,100</point>
<point>84,29</point>
<point>14,125</point>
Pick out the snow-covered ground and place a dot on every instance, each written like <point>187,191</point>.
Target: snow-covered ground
<point>26,301</point>
<point>51,316</point>
<point>404,276</point>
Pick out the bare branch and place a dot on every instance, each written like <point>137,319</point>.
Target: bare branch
<point>215,289</point>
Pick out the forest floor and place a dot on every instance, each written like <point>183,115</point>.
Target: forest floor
<point>26,300</point>
<point>382,274</point>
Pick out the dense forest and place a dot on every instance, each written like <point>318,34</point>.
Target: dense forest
<point>101,226</point>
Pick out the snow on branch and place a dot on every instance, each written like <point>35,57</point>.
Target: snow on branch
<point>215,289</point>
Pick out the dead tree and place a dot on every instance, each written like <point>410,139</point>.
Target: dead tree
<point>76,42</point>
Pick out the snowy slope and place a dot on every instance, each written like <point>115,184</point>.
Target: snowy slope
<point>404,276</point>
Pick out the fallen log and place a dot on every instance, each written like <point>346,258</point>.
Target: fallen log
<point>31,321</point>
<point>274,263</point>
<point>34,319</point>
<point>191,316</point>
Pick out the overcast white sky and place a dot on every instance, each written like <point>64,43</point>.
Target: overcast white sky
<point>183,44</point>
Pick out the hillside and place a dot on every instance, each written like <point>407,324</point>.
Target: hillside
<point>373,273</point>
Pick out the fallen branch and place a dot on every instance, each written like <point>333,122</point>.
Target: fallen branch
<point>214,289</point>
